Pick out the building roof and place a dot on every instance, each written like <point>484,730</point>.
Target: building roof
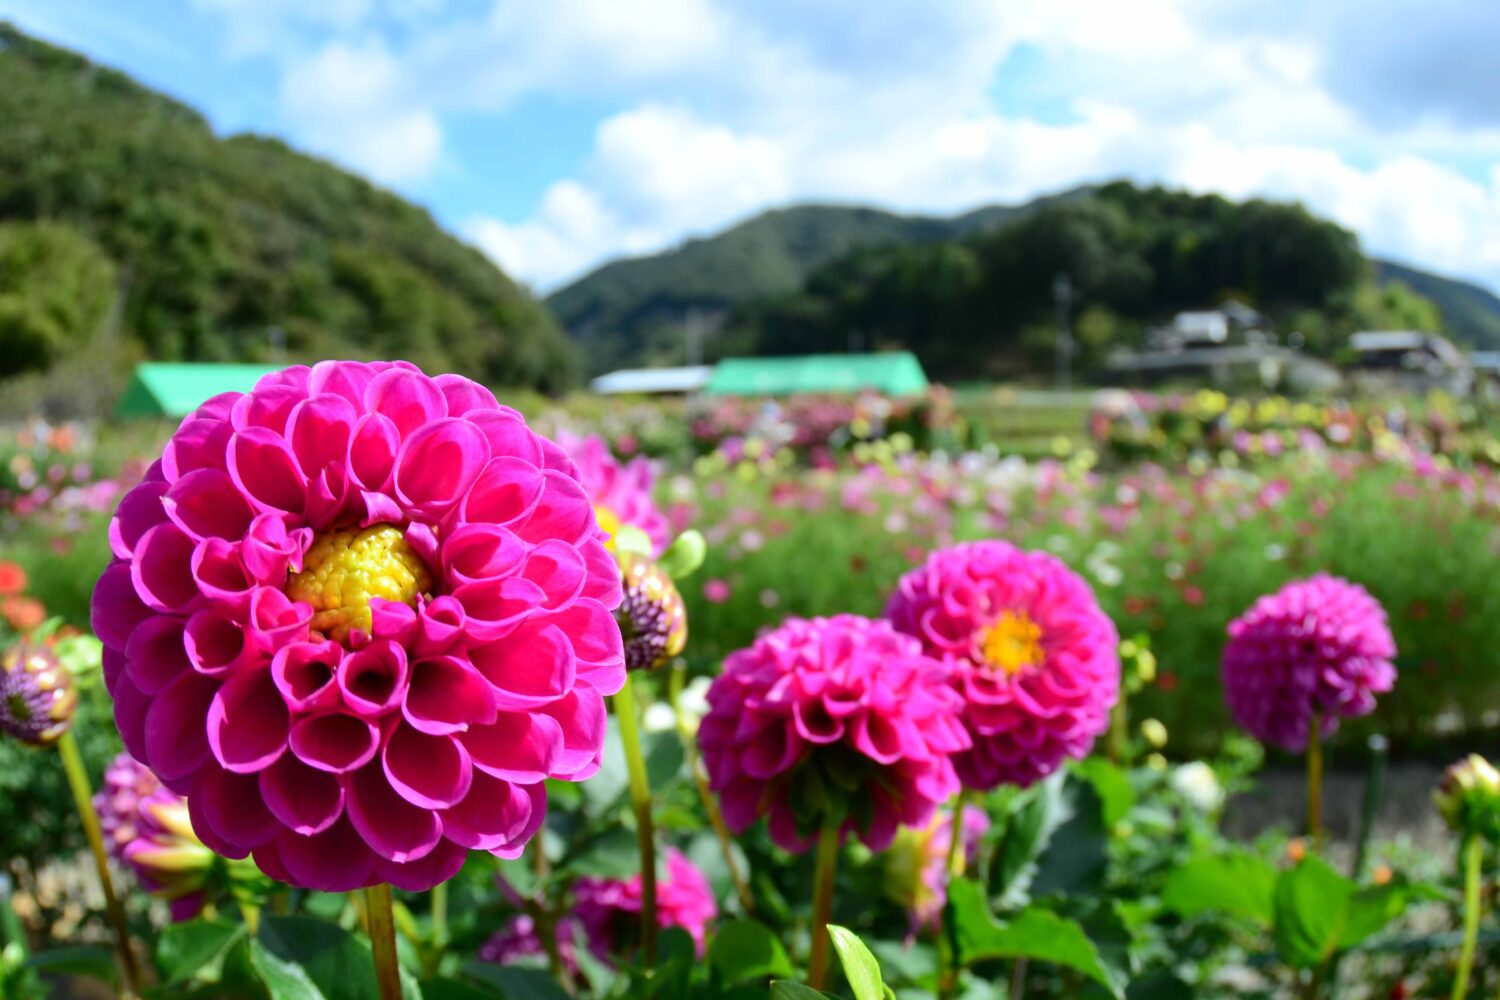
<point>895,373</point>
<point>175,390</point>
<point>690,378</point>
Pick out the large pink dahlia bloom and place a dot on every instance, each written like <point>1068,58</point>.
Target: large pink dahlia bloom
<point>621,491</point>
<point>610,909</point>
<point>832,719</point>
<point>1317,645</point>
<point>1036,660</point>
<point>358,616</point>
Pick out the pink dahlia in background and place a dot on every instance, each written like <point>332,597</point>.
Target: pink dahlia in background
<point>1035,659</point>
<point>1318,645</point>
<point>168,859</point>
<point>916,866</point>
<point>826,720</point>
<point>621,492</point>
<point>610,909</point>
<point>519,940</point>
<point>358,616</point>
<point>127,783</point>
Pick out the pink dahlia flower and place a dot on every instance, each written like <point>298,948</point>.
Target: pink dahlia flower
<point>519,939</point>
<point>170,862</point>
<point>832,719</point>
<point>1036,660</point>
<point>127,783</point>
<point>917,864</point>
<point>1318,645</point>
<point>610,909</point>
<point>358,616</point>
<point>621,492</point>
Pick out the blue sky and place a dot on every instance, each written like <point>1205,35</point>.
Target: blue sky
<point>558,134</point>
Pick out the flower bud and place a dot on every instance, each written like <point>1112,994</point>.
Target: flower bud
<point>37,694</point>
<point>652,617</point>
<point>1469,798</point>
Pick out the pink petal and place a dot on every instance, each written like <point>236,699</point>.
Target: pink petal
<point>267,407</point>
<point>131,706</point>
<point>270,550</point>
<point>440,624</point>
<point>372,451</point>
<point>409,399</point>
<point>564,511</point>
<point>597,643</point>
<point>581,716</point>
<point>304,674</point>
<point>140,510</point>
<point>220,574</point>
<point>335,741</point>
<point>198,444</point>
<point>336,860</point>
<point>319,431</point>
<point>446,695</point>
<point>373,679</point>
<point>431,772</point>
<point>438,464</point>
<point>174,749</point>
<point>342,378</point>
<point>532,666</point>
<point>508,435</point>
<point>157,653</point>
<point>276,619</point>
<point>506,491</point>
<point>495,607</point>
<point>519,746</point>
<point>205,503</point>
<point>233,807</point>
<point>214,644</point>
<point>264,468</point>
<point>392,827</point>
<point>115,610</point>
<point>248,722</point>
<point>463,395</point>
<point>559,570</point>
<point>492,815</point>
<point>476,552</point>
<point>603,581</point>
<point>305,799</point>
<point>162,570</point>
<point>445,861</point>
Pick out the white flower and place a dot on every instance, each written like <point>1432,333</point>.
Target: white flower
<point>1197,782</point>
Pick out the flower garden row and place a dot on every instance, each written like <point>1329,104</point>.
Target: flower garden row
<point>358,631</point>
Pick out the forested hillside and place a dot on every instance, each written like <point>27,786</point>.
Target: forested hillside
<point>128,229</point>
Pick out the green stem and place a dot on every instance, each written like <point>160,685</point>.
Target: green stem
<point>828,859</point>
<point>705,793</point>
<point>83,798</point>
<point>956,858</point>
<point>381,923</point>
<point>1471,853</point>
<point>640,800</point>
<point>440,915</point>
<point>1374,790</point>
<point>1315,781</point>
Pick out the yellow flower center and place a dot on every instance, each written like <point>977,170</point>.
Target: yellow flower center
<point>1013,643</point>
<point>609,522</point>
<point>344,570</point>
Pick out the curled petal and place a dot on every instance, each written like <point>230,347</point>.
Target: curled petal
<point>518,746</point>
<point>304,674</point>
<point>248,722</point>
<point>477,552</point>
<point>220,574</point>
<point>493,814</point>
<point>335,742</point>
<point>372,451</point>
<point>304,799</point>
<point>409,399</point>
<point>175,750</point>
<point>373,680</point>
<point>437,465</point>
<point>319,430</point>
<point>140,510</point>
<point>157,653</point>
<point>447,695</point>
<point>215,644</point>
<point>264,468</point>
<point>162,569</point>
<point>233,808</point>
<point>116,610</point>
<point>336,860</point>
<point>392,827</point>
<point>432,772</point>
<point>531,667</point>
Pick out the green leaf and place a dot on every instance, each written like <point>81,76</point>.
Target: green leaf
<point>183,950</point>
<point>338,964</point>
<point>1313,905</point>
<point>286,980</point>
<point>744,949</point>
<point>1072,860</point>
<point>664,757</point>
<point>1033,933</point>
<point>1111,784</point>
<point>452,989</point>
<point>1237,883</point>
<point>82,960</point>
<point>1024,837</point>
<point>684,556</point>
<point>783,990</point>
<point>860,967</point>
<point>516,983</point>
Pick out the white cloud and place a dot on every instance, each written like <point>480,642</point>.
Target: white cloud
<point>347,102</point>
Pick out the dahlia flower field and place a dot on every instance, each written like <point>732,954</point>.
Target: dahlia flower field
<point>375,683</point>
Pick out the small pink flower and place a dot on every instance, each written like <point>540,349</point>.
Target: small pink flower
<point>610,909</point>
<point>127,783</point>
<point>1317,645</point>
<point>716,591</point>
<point>832,720</point>
<point>359,616</point>
<point>622,493</point>
<point>1035,658</point>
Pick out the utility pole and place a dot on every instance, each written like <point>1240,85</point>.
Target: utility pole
<point>1062,294</point>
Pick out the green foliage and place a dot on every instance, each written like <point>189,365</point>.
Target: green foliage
<point>56,290</point>
<point>860,967</point>
<point>1236,883</point>
<point>1033,933</point>
<point>215,241</point>
<point>743,950</point>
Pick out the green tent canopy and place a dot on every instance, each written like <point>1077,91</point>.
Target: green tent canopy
<point>895,373</point>
<point>175,390</point>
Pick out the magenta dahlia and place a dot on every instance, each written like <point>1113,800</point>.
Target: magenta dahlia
<point>1317,645</point>
<point>832,720</point>
<point>358,616</point>
<point>1035,659</point>
<point>621,492</point>
<point>127,783</point>
<point>610,909</point>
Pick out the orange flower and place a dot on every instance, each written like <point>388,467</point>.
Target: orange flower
<point>22,613</point>
<point>1296,850</point>
<point>12,578</point>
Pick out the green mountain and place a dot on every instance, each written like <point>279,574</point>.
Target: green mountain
<point>636,311</point>
<point>633,311</point>
<point>129,229</point>
<point>1470,313</point>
